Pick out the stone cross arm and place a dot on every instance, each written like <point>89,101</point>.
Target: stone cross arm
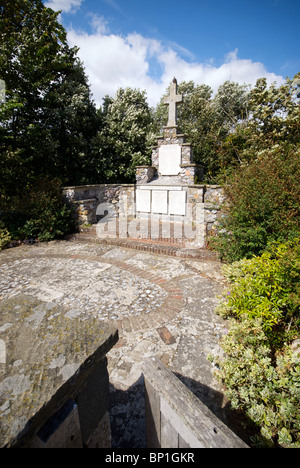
<point>172,100</point>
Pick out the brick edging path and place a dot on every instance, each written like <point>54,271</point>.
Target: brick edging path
<point>172,305</point>
<point>170,308</point>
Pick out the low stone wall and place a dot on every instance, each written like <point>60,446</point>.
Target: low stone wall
<point>92,202</point>
<point>86,199</point>
<point>213,198</point>
<point>175,418</point>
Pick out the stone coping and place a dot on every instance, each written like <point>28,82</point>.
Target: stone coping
<point>48,357</point>
<point>177,418</point>
<point>133,185</point>
<point>146,167</point>
<point>97,185</point>
<point>84,200</point>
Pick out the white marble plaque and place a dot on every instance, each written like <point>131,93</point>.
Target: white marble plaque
<point>169,160</point>
<point>143,201</point>
<point>177,203</point>
<point>160,201</point>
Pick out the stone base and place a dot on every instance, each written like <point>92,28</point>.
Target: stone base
<point>101,437</point>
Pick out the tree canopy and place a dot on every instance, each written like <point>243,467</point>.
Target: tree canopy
<point>48,118</point>
<point>123,143</point>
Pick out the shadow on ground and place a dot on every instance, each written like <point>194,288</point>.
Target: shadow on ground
<point>127,412</point>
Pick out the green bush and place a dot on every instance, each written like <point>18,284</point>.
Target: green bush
<point>5,237</point>
<point>40,214</point>
<point>260,369</point>
<point>264,386</point>
<point>263,205</point>
<point>267,287</point>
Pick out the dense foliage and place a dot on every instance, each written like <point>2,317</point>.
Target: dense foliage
<point>5,237</point>
<point>259,233</point>
<point>46,121</point>
<point>50,128</point>
<point>261,368</point>
<point>263,197</point>
<point>48,117</point>
<point>263,204</point>
<point>264,385</point>
<point>267,287</point>
<point>41,214</point>
<point>123,142</point>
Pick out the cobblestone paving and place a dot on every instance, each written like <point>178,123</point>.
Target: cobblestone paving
<point>105,292</point>
<point>140,293</point>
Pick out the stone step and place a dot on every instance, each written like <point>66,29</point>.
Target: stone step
<point>148,246</point>
<point>92,235</point>
<point>164,235</point>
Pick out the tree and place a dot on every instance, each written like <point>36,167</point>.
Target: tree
<point>47,121</point>
<point>263,191</point>
<point>273,119</point>
<point>123,143</point>
<point>49,117</point>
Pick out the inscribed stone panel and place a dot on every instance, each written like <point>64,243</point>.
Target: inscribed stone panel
<point>160,201</point>
<point>143,202</point>
<point>169,160</point>
<point>177,203</point>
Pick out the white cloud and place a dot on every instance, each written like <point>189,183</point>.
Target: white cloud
<point>67,6</point>
<point>113,61</point>
<point>98,23</point>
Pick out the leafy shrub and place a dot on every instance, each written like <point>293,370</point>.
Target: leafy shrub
<point>259,368</point>
<point>265,387</point>
<point>267,287</point>
<point>40,214</point>
<point>263,204</point>
<point>5,237</point>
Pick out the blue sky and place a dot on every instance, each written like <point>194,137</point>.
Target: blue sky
<point>143,44</point>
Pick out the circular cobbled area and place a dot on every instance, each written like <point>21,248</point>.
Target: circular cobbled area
<point>83,287</point>
<point>86,284</point>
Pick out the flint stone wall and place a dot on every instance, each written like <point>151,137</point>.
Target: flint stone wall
<point>85,201</point>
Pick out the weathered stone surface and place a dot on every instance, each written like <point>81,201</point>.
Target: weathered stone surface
<point>46,353</point>
<point>145,174</point>
<point>179,416</point>
<point>86,199</point>
<point>172,100</point>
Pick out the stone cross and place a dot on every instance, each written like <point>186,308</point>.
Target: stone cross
<point>172,101</point>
